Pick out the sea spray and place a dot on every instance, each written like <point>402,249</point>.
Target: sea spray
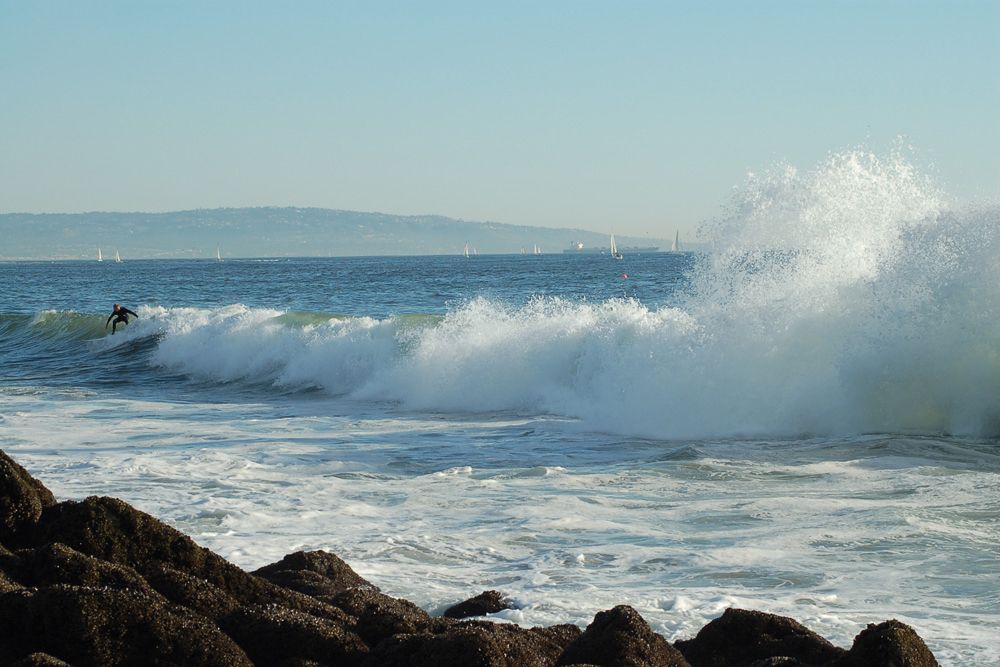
<point>843,300</point>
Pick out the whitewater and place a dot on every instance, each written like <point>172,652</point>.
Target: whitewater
<point>802,418</point>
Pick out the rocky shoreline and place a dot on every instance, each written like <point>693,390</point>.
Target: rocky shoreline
<point>97,582</point>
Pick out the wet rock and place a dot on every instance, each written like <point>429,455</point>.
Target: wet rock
<point>112,530</point>
<point>888,644</point>
<point>379,615</point>
<point>8,581</point>
<point>104,626</point>
<point>472,644</point>
<point>783,661</point>
<point>39,660</point>
<point>620,637</point>
<point>561,635</point>
<point>8,584</point>
<point>271,634</point>
<point>22,499</point>
<point>56,563</point>
<point>314,573</point>
<point>740,637</point>
<point>189,591</point>
<point>487,602</point>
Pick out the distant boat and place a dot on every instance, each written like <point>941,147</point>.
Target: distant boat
<point>538,251</point>
<point>100,257</point>
<point>676,247</point>
<point>614,249</point>
<point>218,255</point>
<point>465,251</point>
<point>118,258</point>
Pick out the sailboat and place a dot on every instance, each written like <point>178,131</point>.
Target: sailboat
<point>100,257</point>
<point>614,249</point>
<point>465,252</point>
<point>538,251</point>
<point>218,255</point>
<point>118,258</point>
<point>676,247</point>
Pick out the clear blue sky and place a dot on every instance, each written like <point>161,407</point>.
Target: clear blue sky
<point>638,117</point>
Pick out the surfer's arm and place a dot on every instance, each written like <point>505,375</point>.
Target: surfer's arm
<point>109,320</point>
<point>133,314</point>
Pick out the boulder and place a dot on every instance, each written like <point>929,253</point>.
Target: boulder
<point>39,660</point>
<point>379,615</point>
<point>314,573</point>
<point>888,644</point>
<point>271,634</point>
<point>22,499</point>
<point>189,591</point>
<point>112,530</point>
<point>487,602</point>
<point>620,637</point>
<point>56,563</point>
<point>471,644</point>
<point>740,636</point>
<point>109,627</point>
<point>8,584</point>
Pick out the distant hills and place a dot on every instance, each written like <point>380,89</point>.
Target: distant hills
<point>275,232</point>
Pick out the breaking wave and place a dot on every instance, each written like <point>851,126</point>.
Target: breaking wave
<point>844,300</point>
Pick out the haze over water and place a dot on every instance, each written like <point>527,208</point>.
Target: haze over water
<point>802,420</point>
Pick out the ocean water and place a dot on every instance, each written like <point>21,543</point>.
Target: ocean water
<point>802,419</point>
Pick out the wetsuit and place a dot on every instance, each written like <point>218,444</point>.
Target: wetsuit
<point>119,315</point>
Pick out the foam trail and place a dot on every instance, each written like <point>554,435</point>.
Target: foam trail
<point>844,300</point>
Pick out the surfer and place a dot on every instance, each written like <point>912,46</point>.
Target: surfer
<point>120,314</point>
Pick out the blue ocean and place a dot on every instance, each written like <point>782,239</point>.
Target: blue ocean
<point>801,417</point>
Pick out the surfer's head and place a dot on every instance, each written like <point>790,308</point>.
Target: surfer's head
<point>117,307</point>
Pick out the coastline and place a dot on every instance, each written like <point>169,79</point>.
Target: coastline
<point>98,582</point>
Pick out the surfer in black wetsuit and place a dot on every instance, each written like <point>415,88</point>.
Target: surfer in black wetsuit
<point>120,314</point>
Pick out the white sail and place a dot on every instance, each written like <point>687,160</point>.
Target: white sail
<point>218,255</point>
<point>118,258</point>
<point>676,247</point>
<point>614,248</point>
<point>100,257</point>
<point>465,252</point>
<point>538,251</point>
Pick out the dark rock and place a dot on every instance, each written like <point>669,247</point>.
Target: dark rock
<point>620,637</point>
<point>740,636</point>
<point>888,644</point>
<point>191,592</point>
<point>8,562</point>
<point>783,661</point>
<point>8,584</point>
<point>487,602</point>
<point>39,660</point>
<point>379,615</point>
<point>22,499</point>
<point>304,581</point>
<point>112,530</point>
<point>561,635</point>
<point>271,634</point>
<point>109,627</point>
<point>336,575</point>
<point>471,644</point>
<point>58,564</point>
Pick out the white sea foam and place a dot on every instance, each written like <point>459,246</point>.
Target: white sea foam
<point>846,300</point>
<point>417,506</point>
